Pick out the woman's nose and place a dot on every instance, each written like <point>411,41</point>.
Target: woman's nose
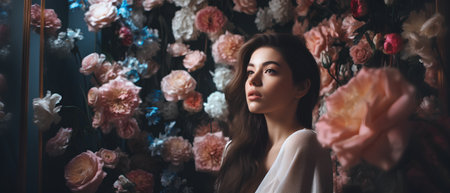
<point>255,79</point>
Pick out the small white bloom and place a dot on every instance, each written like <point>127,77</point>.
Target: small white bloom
<point>388,2</point>
<point>183,25</point>
<point>282,10</point>
<point>433,26</point>
<point>46,111</point>
<point>264,19</point>
<point>221,77</point>
<point>193,4</point>
<point>216,106</point>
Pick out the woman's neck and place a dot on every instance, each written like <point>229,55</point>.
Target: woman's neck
<point>280,126</point>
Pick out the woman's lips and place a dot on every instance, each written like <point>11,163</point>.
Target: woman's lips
<point>253,95</point>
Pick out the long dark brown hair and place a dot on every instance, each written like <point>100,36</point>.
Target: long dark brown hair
<point>243,169</point>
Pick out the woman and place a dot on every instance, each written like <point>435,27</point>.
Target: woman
<point>271,99</point>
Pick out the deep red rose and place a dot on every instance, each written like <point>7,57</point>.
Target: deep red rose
<point>359,8</point>
<point>393,43</point>
<point>126,36</point>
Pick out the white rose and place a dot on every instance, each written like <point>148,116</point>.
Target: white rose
<point>216,106</point>
<point>46,111</point>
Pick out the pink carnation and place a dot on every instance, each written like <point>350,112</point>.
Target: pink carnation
<point>208,151</point>
<point>57,145</point>
<point>368,118</point>
<point>248,7</point>
<point>91,63</point>
<point>177,49</point>
<point>361,52</point>
<point>84,173</point>
<point>51,23</point>
<point>194,60</point>
<point>119,98</point>
<point>176,150</point>
<point>210,20</point>
<point>177,85</point>
<point>100,15</point>
<point>226,48</point>
<point>127,128</point>
<point>143,180</point>
<point>193,102</point>
<point>109,157</point>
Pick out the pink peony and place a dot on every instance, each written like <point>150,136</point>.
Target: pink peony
<point>100,15</point>
<point>91,63</point>
<point>367,118</point>
<point>208,151</point>
<point>361,52</point>
<point>176,150</point>
<point>211,127</point>
<point>57,145</point>
<point>177,49</point>
<point>51,23</point>
<point>209,20</point>
<point>108,71</point>
<point>193,102</point>
<point>109,157</point>
<point>315,41</point>
<point>127,128</point>
<point>248,7</point>
<point>177,85</point>
<point>226,48</point>
<point>393,43</point>
<point>119,98</point>
<point>194,60</point>
<point>349,25</point>
<point>359,8</point>
<point>84,173</point>
<point>143,180</point>
<point>150,4</point>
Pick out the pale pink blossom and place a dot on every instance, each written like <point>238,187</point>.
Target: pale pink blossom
<point>110,158</point>
<point>226,48</point>
<point>315,41</point>
<point>368,118</point>
<point>327,83</point>
<point>299,28</point>
<point>248,7</point>
<point>100,15</point>
<point>84,173</point>
<point>194,60</point>
<point>361,52</point>
<point>193,102</point>
<point>211,127</point>
<point>92,97</point>
<point>127,128</point>
<point>91,63</point>
<point>177,85</point>
<point>349,25</point>
<point>150,4</point>
<point>176,150</point>
<point>108,71</point>
<point>208,151</point>
<point>177,49</point>
<point>143,180</point>
<point>51,23</point>
<point>210,20</point>
<point>57,145</point>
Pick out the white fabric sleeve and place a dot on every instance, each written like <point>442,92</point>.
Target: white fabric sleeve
<point>302,166</point>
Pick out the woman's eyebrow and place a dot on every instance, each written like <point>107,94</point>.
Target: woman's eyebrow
<point>266,63</point>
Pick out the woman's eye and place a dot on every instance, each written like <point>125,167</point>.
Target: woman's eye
<point>249,72</point>
<point>270,71</point>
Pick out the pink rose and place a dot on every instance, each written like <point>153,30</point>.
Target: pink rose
<point>91,63</point>
<point>368,118</point>
<point>315,41</point>
<point>226,48</point>
<point>84,173</point>
<point>209,20</point>
<point>393,43</point>
<point>208,151</point>
<point>127,128</point>
<point>349,25</point>
<point>108,71</point>
<point>176,150</point>
<point>119,98</point>
<point>143,180</point>
<point>109,157</point>
<point>100,15</point>
<point>194,60</point>
<point>248,7</point>
<point>57,145</point>
<point>359,8</point>
<point>177,49</point>
<point>51,23</point>
<point>177,85</point>
<point>150,4</point>
<point>193,102</point>
<point>361,52</point>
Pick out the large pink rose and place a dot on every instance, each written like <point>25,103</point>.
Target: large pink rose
<point>57,145</point>
<point>91,62</point>
<point>210,20</point>
<point>176,150</point>
<point>361,52</point>
<point>100,15</point>
<point>368,118</point>
<point>245,6</point>
<point>177,85</point>
<point>119,98</point>
<point>208,151</point>
<point>127,128</point>
<point>51,22</point>
<point>84,173</point>
<point>194,60</point>
<point>226,48</point>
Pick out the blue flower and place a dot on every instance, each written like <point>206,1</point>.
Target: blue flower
<point>152,115</point>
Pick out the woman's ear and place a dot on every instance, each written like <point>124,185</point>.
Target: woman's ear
<point>303,88</point>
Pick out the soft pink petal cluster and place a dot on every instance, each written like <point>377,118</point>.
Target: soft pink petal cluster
<point>322,37</point>
<point>210,20</point>
<point>51,23</point>
<point>248,7</point>
<point>57,145</point>
<point>176,150</point>
<point>127,128</point>
<point>194,60</point>
<point>211,127</point>
<point>150,4</point>
<point>143,180</point>
<point>177,49</point>
<point>193,102</point>
<point>84,173</point>
<point>303,7</point>
<point>107,71</point>
<point>91,63</point>
<point>110,157</point>
<point>177,85</point>
<point>349,25</point>
<point>100,15</point>
<point>361,52</point>
<point>226,48</point>
<point>208,151</point>
<point>368,118</point>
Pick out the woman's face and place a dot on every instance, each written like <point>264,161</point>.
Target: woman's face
<point>269,86</point>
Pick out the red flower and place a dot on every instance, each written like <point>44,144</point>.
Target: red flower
<point>126,36</point>
<point>393,43</point>
<point>359,8</point>
<point>144,181</point>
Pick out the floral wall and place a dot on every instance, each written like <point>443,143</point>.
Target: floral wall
<point>135,98</point>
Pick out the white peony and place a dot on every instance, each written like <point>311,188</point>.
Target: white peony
<point>193,4</point>
<point>216,106</point>
<point>263,19</point>
<point>183,25</point>
<point>221,77</point>
<point>46,111</point>
<point>433,26</point>
<point>282,10</point>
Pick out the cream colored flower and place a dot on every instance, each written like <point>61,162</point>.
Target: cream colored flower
<point>46,111</point>
<point>100,15</point>
<point>433,26</point>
